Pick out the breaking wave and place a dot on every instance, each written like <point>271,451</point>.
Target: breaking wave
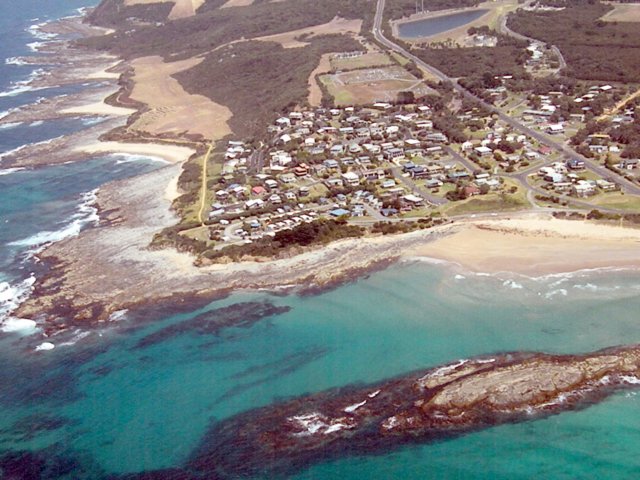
<point>86,214</point>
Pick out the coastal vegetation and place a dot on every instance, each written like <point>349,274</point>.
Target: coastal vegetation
<point>319,232</point>
<point>248,77</point>
<point>506,58</point>
<point>396,9</point>
<point>593,48</point>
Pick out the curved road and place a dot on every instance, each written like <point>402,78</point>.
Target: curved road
<point>505,29</point>
<point>516,125</point>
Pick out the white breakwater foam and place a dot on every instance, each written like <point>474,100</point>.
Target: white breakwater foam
<point>9,171</point>
<point>130,158</point>
<point>24,86</point>
<point>11,296</point>
<point>21,148</point>
<point>17,61</point>
<point>86,214</point>
<point>9,126</point>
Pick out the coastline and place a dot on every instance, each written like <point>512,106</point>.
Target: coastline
<point>132,211</point>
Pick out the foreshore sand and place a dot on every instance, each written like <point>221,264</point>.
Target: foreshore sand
<point>170,153</point>
<point>536,244</point>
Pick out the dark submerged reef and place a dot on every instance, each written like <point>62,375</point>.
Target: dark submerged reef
<point>240,315</point>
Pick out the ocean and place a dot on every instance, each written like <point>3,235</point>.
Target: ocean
<point>141,393</point>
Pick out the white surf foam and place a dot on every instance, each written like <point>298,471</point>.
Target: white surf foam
<point>512,284</point>
<point>23,86</point>
<point>15,61</point>
<point>130,158</point>
<point>45,346</point>
<point>9,171</point>
<point>92,121</point>
<point>37,123</point>
<point>21,326</point>
<point>11,296</point>
<point>85,215</point>
<point>9,126</point>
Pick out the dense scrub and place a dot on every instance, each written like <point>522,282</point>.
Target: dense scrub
<point>507,58</point>
<point>395,9</point>
<point>593,48</point>
<point>319,232</point>
<point>258,80</point>
<point>213,27</point>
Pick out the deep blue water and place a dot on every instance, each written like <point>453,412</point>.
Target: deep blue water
<point>434,26</point>
<point>110,402</point>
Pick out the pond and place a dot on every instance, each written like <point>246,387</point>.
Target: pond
<point>433,26</point>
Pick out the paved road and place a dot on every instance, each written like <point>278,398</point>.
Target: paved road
<point>469,165</point>
<point>415,189</point>
<point>503,28</point>
<point>515,124</point>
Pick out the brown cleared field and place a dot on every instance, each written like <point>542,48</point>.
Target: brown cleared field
<point>368,60</point>
<point>623,12</point>
<point>315,93</point>
<point>334,27</point>
<point>181,8</point>
<point>171,108</point>
<point>368,86</point>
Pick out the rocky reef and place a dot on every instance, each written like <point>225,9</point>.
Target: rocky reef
<point>438,403</point>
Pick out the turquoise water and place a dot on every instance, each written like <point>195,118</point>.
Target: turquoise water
<point>132,409</point>
<point>433,26</point>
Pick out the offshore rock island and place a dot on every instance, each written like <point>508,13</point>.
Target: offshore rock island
<point>431,405</point>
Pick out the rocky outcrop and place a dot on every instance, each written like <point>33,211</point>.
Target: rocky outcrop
<point>451,400</point>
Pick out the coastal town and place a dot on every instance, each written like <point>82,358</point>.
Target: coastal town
<point>387,163</point>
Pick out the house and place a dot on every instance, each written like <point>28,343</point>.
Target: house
<point>413,200</point>
<point>554,177</point>
<point>301,170</point>
<point>433,150</point>
<point>271,184</point>
<point>330,163</point>
<point>373,175</point>
<point>434,169</point>
<point>258,190</point>
<point>555,128</point>
<point>470,191</point>
<point>339,212</point>
<point>483,151</point>
<point>420,172</point>
<point>388,212</point>
<point>629,163</point>
<point>351,179</point>
<point>437,137</point>
<point>393,153</point>
<point>433,183</point>
<point>254,204</point>
<point>575,164</point>
<point>606,185</point>
<point>275,199</point>
<point>583,188</point>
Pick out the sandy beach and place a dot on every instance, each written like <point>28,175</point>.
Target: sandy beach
<point>170,153</point>
<point>535,245</point>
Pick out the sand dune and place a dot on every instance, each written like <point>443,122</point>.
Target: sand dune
<point>181,8</point>
<point>335,26</point>
<point>172,109</point>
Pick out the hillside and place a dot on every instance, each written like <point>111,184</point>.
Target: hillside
<point>256,80</point>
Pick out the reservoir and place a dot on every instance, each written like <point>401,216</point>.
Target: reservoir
<point>433,26</point>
